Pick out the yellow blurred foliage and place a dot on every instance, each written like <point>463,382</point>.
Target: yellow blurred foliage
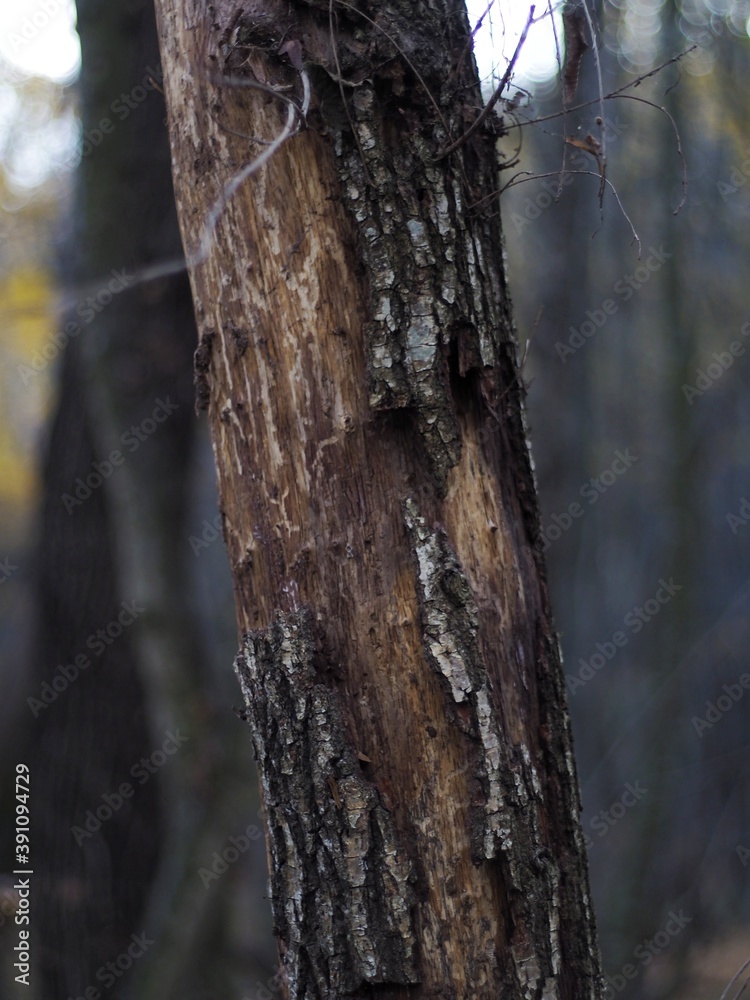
<point>27,322</point>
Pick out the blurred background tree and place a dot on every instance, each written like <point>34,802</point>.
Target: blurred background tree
<point>120,544</point>
<point>623,389</point>
<point>665,796</point>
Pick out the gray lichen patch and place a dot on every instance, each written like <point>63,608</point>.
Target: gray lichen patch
<point>341,886</point>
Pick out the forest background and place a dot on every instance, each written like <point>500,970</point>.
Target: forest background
<point>639,417</point>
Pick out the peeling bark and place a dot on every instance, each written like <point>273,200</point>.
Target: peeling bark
<point>399,666</point>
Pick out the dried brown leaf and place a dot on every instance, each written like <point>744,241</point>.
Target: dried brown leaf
<point>574,25</point>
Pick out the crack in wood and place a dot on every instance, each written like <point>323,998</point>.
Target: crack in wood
<point>201,369</point>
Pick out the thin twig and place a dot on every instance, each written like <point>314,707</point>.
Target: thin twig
<point>615,93</point>
<point>531,336</point>
<point>651,104</point>
<point>242,135</point>
<point>470,42</point>
<point>65,302</point>
<point>519,370</point>
<point>657,69</point>
<point>495,97</point>
<point>513,182</point>
<point>245,81</point>
<point>597,63</point>
<point>564,112</point>
<point>515,155</point>
<point>295,114</point>
<point>733,980</point>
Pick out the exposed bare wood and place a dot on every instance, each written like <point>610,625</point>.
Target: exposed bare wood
<point>357,362</point>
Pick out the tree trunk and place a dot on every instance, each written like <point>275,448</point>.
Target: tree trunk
<point>399,665</point>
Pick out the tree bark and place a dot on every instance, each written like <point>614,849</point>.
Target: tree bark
<point>399,666</point>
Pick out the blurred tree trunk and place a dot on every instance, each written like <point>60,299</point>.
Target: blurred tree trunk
<point>126,542</point>
<point>95,864</point>
<point>399,664</point>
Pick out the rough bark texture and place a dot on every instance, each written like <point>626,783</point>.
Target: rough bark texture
<point>357,362</point>
<point>346,918</point>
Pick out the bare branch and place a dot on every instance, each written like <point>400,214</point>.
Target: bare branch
<point>598,64</point>
<point>565,110</point>
<point>528,175</point>
<point>733,980</point>
<point>496,96</point>
<point>651,104</point>
<point>601,154</point>
<point>615,93</point>
<point>521,364</point>
<point>470,42</point>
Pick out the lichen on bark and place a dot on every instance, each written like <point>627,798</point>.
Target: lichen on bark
<point>341,885</point>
